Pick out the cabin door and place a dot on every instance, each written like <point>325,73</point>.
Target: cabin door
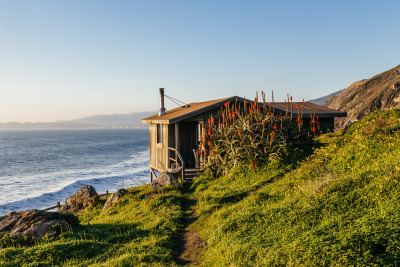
<point>188,142</point>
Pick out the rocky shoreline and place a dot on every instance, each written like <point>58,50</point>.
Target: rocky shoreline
<point>40,224</point>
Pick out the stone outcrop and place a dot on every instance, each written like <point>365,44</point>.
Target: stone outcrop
<point>80,200</point>
<point>380,92</point>
<point>32,223</point>
<point>165,179</point>
<point>114,198</point>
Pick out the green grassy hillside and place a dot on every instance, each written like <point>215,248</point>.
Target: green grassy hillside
<point>341,206</point>
<point>338,207</point>
<point>137,231</point>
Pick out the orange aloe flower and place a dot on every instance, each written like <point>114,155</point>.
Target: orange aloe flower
<point>252,165</point>
<point>275,127</point>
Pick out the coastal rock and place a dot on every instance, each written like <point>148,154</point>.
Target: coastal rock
<point>165,179</point>
<point>364,97</point>
<point>80,200</point>
<point>114,198</point>
<point>32,223</point>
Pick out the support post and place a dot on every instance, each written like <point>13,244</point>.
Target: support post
<point>176,136</point>
<point>152,173</point>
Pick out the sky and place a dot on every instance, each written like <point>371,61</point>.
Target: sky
<point>64,60</point>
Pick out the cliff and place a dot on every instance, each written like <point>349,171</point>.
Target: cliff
<point>365,96</point>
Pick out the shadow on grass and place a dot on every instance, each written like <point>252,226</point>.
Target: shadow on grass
<point>96,242</point>
<point>231,198</point>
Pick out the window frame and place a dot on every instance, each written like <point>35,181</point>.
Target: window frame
<point>159,133</point>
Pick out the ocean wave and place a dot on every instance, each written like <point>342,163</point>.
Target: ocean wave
<point>45,190</point>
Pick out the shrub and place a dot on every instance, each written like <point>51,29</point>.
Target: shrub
<point>252,135</point>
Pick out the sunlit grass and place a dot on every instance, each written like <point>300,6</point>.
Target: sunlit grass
<point>138,230</point>
<point>339,207</point>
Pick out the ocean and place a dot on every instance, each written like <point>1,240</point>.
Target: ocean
<point>39,168</point>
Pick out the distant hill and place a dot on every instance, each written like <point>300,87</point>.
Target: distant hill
<point>99,121</point>
<point>45,125</point>
<point>365,96</point>
<point>117,120</point>
<point>322,100</point>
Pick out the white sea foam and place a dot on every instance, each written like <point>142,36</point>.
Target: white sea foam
<point>44,190</point>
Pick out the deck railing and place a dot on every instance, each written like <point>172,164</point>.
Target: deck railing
<point>176,163</point>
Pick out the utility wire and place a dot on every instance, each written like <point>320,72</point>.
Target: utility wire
<point>176,101</point>
<point>170,97</point>
<point>173,101</point>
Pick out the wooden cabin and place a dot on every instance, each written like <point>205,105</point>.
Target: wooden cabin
<point>175,134</point>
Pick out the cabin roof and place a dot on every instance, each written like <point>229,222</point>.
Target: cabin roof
<point>187,111</point>
<point>194,109</point>
<point>309,108</point>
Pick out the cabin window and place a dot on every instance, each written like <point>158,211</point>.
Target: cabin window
<point>159,133</point>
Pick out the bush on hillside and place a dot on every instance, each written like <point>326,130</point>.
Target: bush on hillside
<point>253,136</point>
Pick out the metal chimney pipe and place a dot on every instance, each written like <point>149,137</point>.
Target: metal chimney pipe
<point>162,108</point>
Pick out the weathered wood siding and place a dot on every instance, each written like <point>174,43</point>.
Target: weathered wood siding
<point>158,152</point>
<point>152,144</point>
<point>325,124</point>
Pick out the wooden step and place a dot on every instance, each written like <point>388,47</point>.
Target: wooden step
<point>190,174</point>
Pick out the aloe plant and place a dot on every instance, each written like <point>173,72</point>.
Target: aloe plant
<point>252,136</point>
